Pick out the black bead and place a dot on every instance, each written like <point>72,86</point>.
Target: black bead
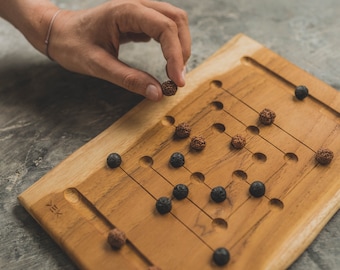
<point>218,194</point>
<point>163,205</point>
<point>177,160</point>
<point>180,191</point>
<point>301,92</point>
<point>257,189</point>
<point>221,256</point>
<point>114,160</point>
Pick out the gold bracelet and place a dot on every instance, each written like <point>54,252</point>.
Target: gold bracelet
<point>47,39</point>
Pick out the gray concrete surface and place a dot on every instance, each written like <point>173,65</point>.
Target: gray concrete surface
<point>46,112</point>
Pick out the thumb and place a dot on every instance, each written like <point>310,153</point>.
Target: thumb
<point>109,68</point>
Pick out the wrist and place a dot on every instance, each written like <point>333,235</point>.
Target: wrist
<point>36,33</point>
<point>31,18</point>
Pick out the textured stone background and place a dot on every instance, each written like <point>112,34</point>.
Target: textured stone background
<point>46,113</point>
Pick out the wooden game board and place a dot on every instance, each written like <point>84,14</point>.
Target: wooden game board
<point>81,199</point>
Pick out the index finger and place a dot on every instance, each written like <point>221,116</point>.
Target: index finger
<point>180,17</point>
<point>162,29</point>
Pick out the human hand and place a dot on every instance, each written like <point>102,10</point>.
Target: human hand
<point>88,41</point>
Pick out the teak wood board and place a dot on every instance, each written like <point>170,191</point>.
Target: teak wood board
<point>81,199</point>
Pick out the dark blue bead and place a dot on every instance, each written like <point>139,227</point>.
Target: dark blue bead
<point>114,160</point>
<point>218,194</point>
<point>177,160</point>
<point>180,191</point>
<point>221,256</point>
<point>163,205</point>
<point>257,189</point>
<point>301,92</point>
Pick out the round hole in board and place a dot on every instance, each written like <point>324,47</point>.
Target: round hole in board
<point>146,161</point>
<point>219,127</point>
<point>217,105</point>
<point>291,157</point>
<point>71,195</point>
<point>239,175</point>
<point>216,83</point>
<point>198,177</point>
<point>260,157</point>
<point>276,203</point>
<point>168,120</point>
<point>253,130</point>
<point>219,223</point>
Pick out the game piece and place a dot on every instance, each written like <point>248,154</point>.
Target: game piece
<point>163,205</point>
<point>177,160</point>
<point>257,189</point>
<point>197,143</point>
<point>183,130</point>
<point>221,256</point>
<point>169,88</point>
<point>324,156</point>
<point>267,116</point>
<point>114,160</point>
<point>218,194</point>
<point>180,191</point>
<point>238,141</point>
<point>301,92</point>
<point>116,238</point>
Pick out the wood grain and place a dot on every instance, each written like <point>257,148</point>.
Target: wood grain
<point>81,199</point>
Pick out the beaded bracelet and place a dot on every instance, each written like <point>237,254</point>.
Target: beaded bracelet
<point>47,39</point>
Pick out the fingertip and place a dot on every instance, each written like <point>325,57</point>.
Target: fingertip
<point>183,73</point>
<point>181,77</point>
<point>153,92</point>
<point>178,77</point>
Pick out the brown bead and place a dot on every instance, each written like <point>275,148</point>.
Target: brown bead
<point>183,130</point>
<point>267,117</point>
<point>116,238</point>
<point>197,143</point>
<point>324,156</point>
<point>169,88</point>
<point>238,141</point>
